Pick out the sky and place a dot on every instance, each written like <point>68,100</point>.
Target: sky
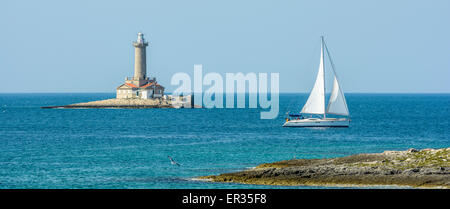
<point>380,46</point>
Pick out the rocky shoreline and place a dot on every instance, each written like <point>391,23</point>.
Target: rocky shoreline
<point>119,103</point>
<point>427,168</point>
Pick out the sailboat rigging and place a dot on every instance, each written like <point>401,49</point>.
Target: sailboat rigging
<point>315,105</point>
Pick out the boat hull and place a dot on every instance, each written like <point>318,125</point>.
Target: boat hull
<point>317,122</point>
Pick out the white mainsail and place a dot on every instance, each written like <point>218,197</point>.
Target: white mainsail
<point>316,100</point>
<point>337,104</point>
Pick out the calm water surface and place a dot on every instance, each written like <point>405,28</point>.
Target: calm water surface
<point>128,148</point>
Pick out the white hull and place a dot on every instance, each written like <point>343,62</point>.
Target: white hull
<point>318,122</point>
<point>316,101</point>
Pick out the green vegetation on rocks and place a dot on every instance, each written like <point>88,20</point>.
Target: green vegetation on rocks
<point>416,168</point>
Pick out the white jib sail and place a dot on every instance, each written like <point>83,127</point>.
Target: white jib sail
<point>316,100</point>
<point>337,104</point>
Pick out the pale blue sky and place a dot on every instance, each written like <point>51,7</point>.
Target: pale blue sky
<point>85,46</point>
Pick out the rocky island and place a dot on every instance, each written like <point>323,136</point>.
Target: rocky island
<point>119,103</point>
<point>139,91</point>
<point>426,168</point>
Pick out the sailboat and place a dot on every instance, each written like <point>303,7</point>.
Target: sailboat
<point>314,113</point>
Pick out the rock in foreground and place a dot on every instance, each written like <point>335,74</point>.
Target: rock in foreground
<point>417,168</point>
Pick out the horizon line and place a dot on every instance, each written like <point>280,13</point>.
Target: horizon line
<point>286,92</point>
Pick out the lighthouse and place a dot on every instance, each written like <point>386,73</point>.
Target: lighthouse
<point>140,86</point>
<point>140,62</point>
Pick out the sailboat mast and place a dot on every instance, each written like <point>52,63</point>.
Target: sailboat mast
<point>323,64</point>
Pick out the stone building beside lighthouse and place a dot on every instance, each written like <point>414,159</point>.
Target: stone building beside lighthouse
<point>140,86</point>
<point>139,91</point>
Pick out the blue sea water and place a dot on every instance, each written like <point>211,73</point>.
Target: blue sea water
<point>128,148</point>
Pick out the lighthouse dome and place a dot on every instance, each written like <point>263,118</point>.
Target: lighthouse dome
<point>140,38</point>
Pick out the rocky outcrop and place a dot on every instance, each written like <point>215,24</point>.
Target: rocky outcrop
<point>120,103</point>
<point>417,168</point>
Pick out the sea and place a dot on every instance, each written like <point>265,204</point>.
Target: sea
<point>129,148</point>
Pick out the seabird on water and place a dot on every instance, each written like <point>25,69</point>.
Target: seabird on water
<point>173,161</point>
